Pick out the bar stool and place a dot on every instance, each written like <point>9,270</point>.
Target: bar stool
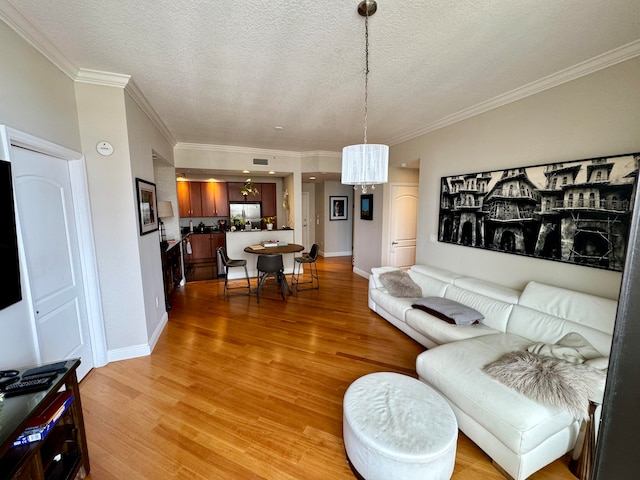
<point>271,265</point>
<point>310,260</point>
<point>229,263</point>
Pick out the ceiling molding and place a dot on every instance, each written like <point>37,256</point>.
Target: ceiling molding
<point>608,59</point>
<point>143,103</point>
<point>106,79</point>
<point>321,153</point>
<point>23,27</point>
<point>235,149</point>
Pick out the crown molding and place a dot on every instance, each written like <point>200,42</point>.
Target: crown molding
<point>106,79</point>
<point>150,112</point>
<point>608,59</point>
<point>23,27</point>
<point>235,149</point>
<point>321,153</point>
<point>255,151</point>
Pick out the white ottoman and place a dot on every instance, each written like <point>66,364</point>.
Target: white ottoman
<point>397,428</point>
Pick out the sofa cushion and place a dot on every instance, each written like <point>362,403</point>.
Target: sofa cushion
<point>548,379</point>
<point>441,332</point>
<point>396,306</point>
<point>488,289</point>
<point>399,284</point>
<point>444,276</point>
<point>495,312</point>
<point>430,286</point>
<point>374,278</point>
<point>546,313</point>
<point>448,310</point>
<point>516,420</point>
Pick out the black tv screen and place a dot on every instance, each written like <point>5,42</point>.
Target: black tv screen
<point>12,292</point>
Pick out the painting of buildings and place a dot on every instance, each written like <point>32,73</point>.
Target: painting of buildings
<point>577,212</point>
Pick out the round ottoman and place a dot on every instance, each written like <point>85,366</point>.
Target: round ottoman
<point>396,427</point>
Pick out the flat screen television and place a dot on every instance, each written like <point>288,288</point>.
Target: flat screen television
<point>12,291</point>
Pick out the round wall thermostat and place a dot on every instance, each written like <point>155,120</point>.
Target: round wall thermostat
<point>104,148</point>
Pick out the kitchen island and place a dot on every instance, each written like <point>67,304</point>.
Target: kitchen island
<point>237,241</point>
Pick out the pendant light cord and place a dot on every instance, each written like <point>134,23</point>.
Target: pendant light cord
<point>366,72</point>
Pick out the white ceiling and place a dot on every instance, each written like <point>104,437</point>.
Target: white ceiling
<point>226,72</point>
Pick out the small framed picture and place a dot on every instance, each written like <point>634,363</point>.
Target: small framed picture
<point>338,208</point>
<point>147,206</point>
<point>366,207</point>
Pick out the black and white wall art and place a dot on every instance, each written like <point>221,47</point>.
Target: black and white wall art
<point>577,211</point>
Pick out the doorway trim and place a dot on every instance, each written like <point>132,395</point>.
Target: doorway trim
<point>80,196</point>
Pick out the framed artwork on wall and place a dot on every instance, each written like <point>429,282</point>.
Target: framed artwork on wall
<point>338,208</point>
<point>147,206</point>
<point>576,211</point>
<point>366,207</point>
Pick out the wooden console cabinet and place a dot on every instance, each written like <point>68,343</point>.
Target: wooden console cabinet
<point>171,271</point>
<point>62,454</point>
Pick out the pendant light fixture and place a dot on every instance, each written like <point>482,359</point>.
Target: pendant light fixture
<point>365,164</point>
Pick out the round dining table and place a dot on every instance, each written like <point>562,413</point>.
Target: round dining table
<point>281,249</point>
<point>289,248</point>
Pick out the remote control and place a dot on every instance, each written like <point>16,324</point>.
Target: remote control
<point>27,386</point>
<point>58,367</point>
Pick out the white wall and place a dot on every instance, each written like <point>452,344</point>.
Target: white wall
<point>367,234</point>
<point>102,115</point>
<point>144,139</point>
<point>371,237</point>
<point>37,98</point>
<point>595,115</point>
<point>338,234</point>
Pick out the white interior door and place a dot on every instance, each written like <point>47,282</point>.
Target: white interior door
<point>403,225</point>
<point>50,238</point>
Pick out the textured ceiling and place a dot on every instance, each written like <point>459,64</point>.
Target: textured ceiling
<point>227,72</point>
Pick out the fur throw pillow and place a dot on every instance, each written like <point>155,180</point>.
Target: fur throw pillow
<point>548,380</point>
<point>399,284</point>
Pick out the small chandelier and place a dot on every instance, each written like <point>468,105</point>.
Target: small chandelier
<point>365,164</point>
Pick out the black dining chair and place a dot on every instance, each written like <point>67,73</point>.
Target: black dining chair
<point>229,263</point>
<point>271,265</point>
<point>306,259</point>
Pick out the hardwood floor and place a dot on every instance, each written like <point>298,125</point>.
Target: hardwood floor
<point>240,390</point>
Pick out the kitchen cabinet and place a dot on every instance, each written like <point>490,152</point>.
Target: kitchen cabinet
<point>202,263</point>
<point>220,197</point>
<point>202,199</point>
<point>235,193</point>
<point>269,203</point>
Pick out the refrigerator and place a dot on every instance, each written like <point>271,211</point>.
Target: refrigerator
<point>251,211</point>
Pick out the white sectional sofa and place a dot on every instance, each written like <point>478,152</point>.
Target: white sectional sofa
<point>519,434</point>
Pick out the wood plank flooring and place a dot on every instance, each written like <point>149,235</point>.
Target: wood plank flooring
<point>240,390</point>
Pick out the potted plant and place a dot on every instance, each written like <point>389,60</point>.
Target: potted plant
<point>237,222</point>
<point>249,188</point>
<point>269,222</point>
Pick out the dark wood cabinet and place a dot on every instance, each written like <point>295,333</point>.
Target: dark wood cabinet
<point>202,199</point>
<point>184,199</point>
<point>234,192</point>
<point>269,203</point>
<point>62,453</point>
<point>202,263</point>
<point>220,197</point>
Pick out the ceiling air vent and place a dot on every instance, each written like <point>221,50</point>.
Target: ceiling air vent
<point>261,161</point>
